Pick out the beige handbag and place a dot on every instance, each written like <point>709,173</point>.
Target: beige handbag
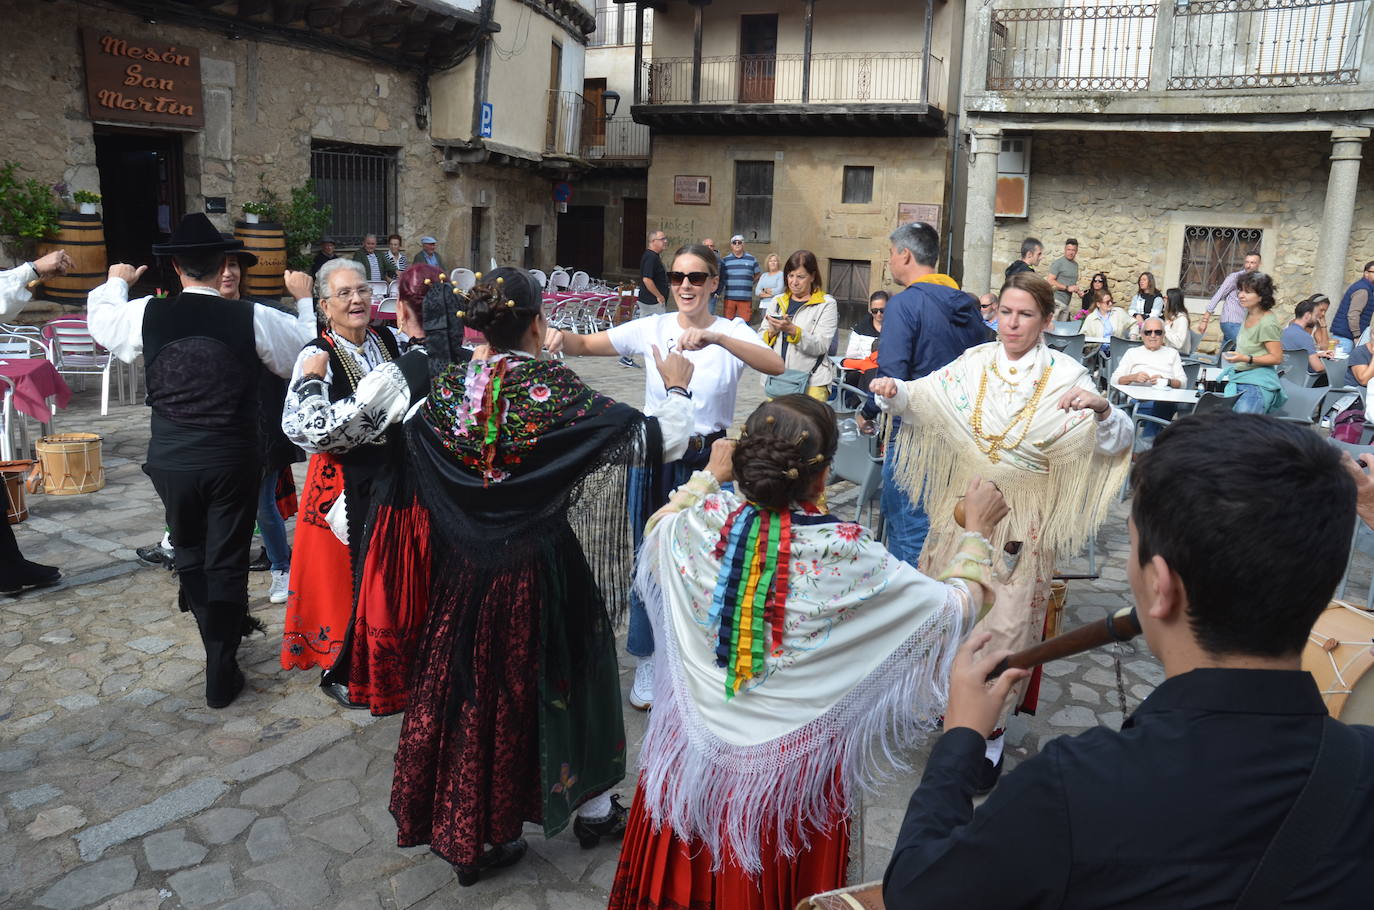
<point>868,896</point>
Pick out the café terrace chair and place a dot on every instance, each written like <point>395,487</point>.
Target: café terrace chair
<point>1363,538</point>
<point>75,353</point>
<point>1294,368</point>
<point>1072,345</point>
<point>1302,404</point>
<point>857,459</point>
<point>539,278</point>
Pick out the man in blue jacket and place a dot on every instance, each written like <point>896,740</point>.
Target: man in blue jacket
<point>927,325</point>
<point>1357,305</point>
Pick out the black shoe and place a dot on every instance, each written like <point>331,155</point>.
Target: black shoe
<point>154,555</point>
<point>589,833</point>
<point>498,857</point>
<point>262,563</point>
<point>987,776</point>
<point>252,624</point>
<point>234,689</point>
<point>29,575</point>
<point>339,692</point>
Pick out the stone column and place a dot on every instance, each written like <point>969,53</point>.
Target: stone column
<point>986,142</point>
<point>1338,213</point>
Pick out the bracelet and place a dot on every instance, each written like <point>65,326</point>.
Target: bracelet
<point>679,390</point>
<point>312,377</point>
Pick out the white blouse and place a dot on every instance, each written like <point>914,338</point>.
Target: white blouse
<point>316,424</point>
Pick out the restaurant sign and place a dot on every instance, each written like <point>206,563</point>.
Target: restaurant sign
<point>136,81</point>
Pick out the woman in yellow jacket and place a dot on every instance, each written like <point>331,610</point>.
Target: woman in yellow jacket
<point>800,323</point>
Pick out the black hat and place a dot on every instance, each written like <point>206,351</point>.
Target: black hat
<point>246,259</point>
<point>196,234</point>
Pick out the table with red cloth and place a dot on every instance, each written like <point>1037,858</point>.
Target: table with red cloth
<point>35,381</point>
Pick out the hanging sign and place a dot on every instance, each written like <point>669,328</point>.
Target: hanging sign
<point>138,81</point>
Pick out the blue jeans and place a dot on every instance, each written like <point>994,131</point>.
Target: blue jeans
<point>1344,345</point>
<point>1230,331</point>
<point>271,525</point>
<point>639,640</point>
<point>1164,410</point>
<point>906,522</point>
<point>1251,400</point>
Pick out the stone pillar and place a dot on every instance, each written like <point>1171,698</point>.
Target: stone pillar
<point>1338,213</point>
<point>986,142</point>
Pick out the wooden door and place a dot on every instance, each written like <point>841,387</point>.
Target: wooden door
<point>581,239</point>
<point>634,233</point>
<point>758,60</point>
<point>593,113</point>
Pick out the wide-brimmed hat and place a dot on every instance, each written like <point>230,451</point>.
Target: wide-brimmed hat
<point>246,259</point>
<point>195,234</point>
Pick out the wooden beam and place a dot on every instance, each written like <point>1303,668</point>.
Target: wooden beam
<point>809,19</point>
<point>639,53</point>
<point>697,7</point>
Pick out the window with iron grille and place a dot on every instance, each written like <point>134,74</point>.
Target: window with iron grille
<point>858,185</point>
<point>358,182</point>
<point>615,24</point>
<point>754,201</point>
<point>1211,253</point>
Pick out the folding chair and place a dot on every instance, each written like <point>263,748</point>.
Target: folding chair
<point>75,353</point>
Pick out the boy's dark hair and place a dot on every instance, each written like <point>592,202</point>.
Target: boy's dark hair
<point>1255,515</point>
<point>200,265</point>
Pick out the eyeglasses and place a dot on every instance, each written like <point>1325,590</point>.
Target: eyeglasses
<point>696,278</point>
<point>737,243</point>
<point>354,294</point>
<point>1152,332</point>
<point>877,310</point>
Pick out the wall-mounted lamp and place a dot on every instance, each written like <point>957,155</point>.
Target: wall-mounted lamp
<point>611,101</point>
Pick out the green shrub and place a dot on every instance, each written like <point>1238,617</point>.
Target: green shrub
<point>27,208</point>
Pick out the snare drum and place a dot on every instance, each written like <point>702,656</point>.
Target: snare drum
<point>1339,654</point>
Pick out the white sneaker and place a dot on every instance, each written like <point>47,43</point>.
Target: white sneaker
<point>281,586</point>
<point>642,692</point>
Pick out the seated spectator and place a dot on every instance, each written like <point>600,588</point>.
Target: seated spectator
<point>865,332</point>
<point>1098,285</point>
<point>1147,300</point>
<point>1297,336</point>
<point>1151,364</point>
<point>859,371</point>
<point>1177,325</point>
<point>1179,807</point>
<point>987,305</point>
<point>1101,325</point>
<point>1360,366</point>
<point>325,254</point>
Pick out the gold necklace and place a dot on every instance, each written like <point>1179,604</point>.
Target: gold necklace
<point>991,443</point>
<point>352,371</point>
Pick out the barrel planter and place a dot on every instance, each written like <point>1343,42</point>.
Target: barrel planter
<point>266,241</point>
<point>83,237</point>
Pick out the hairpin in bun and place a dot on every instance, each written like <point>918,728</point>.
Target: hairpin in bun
<point>790,473</point>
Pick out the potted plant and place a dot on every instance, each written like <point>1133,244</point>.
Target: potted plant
<point>28,213</point>
<point>252,211</point>
<point>86,200</point>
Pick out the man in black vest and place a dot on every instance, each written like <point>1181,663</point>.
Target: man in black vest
<point>201,354</point>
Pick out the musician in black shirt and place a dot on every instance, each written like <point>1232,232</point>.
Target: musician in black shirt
<point>1177,808</point>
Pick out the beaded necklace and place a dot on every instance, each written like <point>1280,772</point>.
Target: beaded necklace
<point>990,444</point>
<point>352,371</point>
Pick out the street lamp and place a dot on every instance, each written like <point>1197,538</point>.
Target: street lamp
<point>611,101</point>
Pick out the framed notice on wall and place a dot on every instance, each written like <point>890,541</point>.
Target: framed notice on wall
<point>691,190</point>
<point>908,212</point>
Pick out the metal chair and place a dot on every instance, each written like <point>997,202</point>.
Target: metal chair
<point>1119,348</point>
<point>581,281</point>
<point>463,279</point>
<point>1336,373</point>
<point>1212,402</point>
<point>1302,404</point>
<point>1295,367</point>
<point>1191,369</point>
<point>1070,345</point>
<point>75,353</point>
<point>1194,339</point>
<point>857,458</point>
<point>559,280</point>
<point>540,278</point>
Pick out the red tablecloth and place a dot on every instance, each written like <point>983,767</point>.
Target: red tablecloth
<point>34,380</point>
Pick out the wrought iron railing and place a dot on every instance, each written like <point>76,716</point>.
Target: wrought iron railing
<point>1078,46</point>
<point>615,24</point>
<point>1266,43</point>
<point>358,184</point>
<point>563,134</point>
<point>848,78</point>
<point>617,139</point>
<point>1212,253</point>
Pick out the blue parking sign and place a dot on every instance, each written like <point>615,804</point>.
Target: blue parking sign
<point>486,119</point>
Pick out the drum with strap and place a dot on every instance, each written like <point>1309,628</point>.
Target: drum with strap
<point>1339,654</point>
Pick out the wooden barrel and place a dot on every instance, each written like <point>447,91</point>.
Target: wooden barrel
<point>83,237</point>
<point>266,241</point>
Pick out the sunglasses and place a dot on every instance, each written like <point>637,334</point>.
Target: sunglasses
<point>1153,332</point>
<point>696,278</point>
<point>877,310</point>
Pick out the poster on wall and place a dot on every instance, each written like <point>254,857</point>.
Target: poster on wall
<point>691,190</point>
<point>908,212</point>
<point>133,80</point>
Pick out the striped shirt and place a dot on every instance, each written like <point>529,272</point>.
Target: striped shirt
<point>739,273</point>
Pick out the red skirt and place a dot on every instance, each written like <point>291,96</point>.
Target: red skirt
<point>321,597</point>
<point>660,870</point>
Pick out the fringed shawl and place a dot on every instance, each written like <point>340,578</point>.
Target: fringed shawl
<point>860,677</point>
<point>1057,483</point>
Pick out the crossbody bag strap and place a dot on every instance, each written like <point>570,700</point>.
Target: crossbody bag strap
<point>1312,824</point>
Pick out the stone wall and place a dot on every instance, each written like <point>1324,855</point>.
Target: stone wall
<point>1120,194</point>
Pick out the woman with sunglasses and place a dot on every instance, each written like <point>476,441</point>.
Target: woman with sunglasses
<point>800,323</point>
<point>719,349</point>
<point>866,331</point>
<point>1095,287</point>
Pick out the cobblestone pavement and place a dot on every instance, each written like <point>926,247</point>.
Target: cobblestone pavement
<point>120,789</point>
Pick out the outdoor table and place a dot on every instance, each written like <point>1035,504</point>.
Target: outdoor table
<point>35,381</point>
<point>1155,393</point>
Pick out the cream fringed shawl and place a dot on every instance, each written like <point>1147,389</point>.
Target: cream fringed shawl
<point>1057,482</point>
<point>860,678</point>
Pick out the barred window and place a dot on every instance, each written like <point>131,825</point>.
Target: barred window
<point>858,185</point>
<point>615,24</point>
<point>754,201</point>
<point>1211,253</point>
<point>359,183</point>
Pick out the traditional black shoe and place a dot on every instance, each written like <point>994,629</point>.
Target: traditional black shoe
<point>154,555</point>
<point>29,575</point>
<point>262,563</point>
<point>234,690</point>
<point>252,624</point>
<point>589,833</point>
<point>339,692</point>
<point>498,857</point>
<point>987,777</point>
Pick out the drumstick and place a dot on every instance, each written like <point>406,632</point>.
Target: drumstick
<point>1123,625</point>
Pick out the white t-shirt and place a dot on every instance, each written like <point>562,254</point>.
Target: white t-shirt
<point>715,379</point>
<point>1163,362</point>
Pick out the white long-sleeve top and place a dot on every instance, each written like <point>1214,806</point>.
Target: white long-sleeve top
<point>14,288</point>
<point>116,323</point>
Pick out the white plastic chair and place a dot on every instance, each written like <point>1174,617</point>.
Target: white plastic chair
<point>75,353</point>
<point>463,279</point>
<point>581,281</point>
<point>379,289</point>
<point>559,280</point>
<point>7,410</point>
<point>386,309</point>
<point>540,278</point>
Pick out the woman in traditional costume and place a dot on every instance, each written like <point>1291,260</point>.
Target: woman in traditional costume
<point>514,709</point>
<point>347,396</point>
<point>797,653</point>
<point>1030,419</point>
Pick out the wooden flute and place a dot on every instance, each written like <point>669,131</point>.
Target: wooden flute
<point>1123,625</point>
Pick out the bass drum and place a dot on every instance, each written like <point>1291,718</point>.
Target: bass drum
<point>1339,654</point>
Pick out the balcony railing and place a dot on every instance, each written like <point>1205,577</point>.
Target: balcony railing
<point>615,25</point>
<point>853,78</point>
<point>563,135</point>
<point>1209,44</point>
<point>616,140</point>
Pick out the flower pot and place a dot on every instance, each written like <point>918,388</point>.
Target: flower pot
<point>87,208</point>
<point>250,218</point>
